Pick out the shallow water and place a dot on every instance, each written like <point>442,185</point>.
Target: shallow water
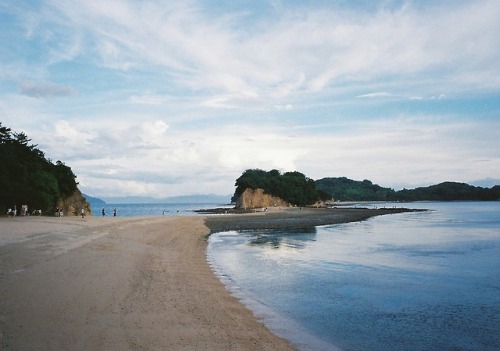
<point>412,281</point>
<point>161,209</point>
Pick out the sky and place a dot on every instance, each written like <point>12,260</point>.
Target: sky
<point>167,98</point>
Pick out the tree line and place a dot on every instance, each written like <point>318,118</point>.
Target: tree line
<point>27,177</point>
<point>344,189</point>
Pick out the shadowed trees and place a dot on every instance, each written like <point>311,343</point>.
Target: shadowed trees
<point>293,187</point>
<point>344,189</point>
<point>28,177</point>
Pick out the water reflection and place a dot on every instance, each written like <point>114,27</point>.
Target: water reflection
<point>413,281</point>
<point>276,239</point>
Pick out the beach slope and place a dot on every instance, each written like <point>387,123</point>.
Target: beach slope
<point>117,284</point>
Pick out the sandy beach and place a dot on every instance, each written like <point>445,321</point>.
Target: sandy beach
<point>130,283</point>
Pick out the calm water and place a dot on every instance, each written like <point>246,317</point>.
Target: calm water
<point>412,281</point>
<point>167,209</point>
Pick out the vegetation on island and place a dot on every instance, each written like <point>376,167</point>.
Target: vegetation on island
<point>344,189</point>
<point>296,189</point>
<point>293,187</point>
<point>27,177</point>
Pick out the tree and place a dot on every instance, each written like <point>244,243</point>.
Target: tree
<point>251,179</point>
<point>293,187</point>
<point>44,190</point>
<point>65,178</point>
<point>27,177</point>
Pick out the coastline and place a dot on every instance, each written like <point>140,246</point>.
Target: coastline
<point>289,218</point>
<point>131,283</point>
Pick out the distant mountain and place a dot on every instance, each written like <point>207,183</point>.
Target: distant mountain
<point>186,199</point>
<point>94,200</point>
<point>202,198</point>
<point>344,189</point>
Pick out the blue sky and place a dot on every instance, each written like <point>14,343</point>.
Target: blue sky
<point>165,98</point>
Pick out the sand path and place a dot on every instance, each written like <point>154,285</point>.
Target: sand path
<point>117,284</point>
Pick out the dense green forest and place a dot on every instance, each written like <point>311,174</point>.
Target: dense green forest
<point>344,189</point>
<point>27,177</point>
<point>293,187</point>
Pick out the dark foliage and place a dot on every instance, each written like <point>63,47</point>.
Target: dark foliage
<point>450,191</point>
<point>344,189</point>
<point>293,187</point>
<point>27,177</point>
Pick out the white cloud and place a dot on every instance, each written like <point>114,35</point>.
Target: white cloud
<point>406,151</point>
<point>153,132</point>
<point>382,94</point>
<point>287,107</point>
<point>243,99</point>
<point>64,131</point>
<point>320,48</point>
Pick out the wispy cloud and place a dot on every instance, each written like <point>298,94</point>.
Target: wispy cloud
<point>148,99</point>
<point>45,90</point>
<point>323,47</point>
<point>381,94</point>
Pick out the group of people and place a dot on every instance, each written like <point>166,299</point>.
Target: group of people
<point>24,211</point>
<point>104,212</point>
<point>59,212</point>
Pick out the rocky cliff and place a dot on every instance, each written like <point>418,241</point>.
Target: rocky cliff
<point>72,205</point>
<point>258,199</point>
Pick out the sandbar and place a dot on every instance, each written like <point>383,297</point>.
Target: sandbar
<point>137,283</point>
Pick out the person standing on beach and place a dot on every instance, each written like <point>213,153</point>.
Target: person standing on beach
<point>83,212</point>
<point>103,212</point>
<point>114,212</point>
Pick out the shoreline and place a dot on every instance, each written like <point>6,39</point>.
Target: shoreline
<point>290,218</point>
<point>118,284</point>
<point>131,283</point>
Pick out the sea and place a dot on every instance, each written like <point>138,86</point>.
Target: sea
<point>410,281</point>
<point>155,209</point>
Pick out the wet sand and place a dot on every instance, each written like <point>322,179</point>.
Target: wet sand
<point>129,283</point>
<point>294,218</point>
